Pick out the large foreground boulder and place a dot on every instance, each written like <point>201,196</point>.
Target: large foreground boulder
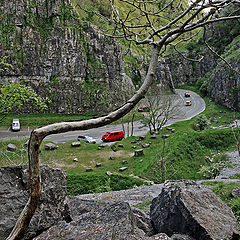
<point>112,221</point>
<point>14,195</point>
<point>188,208</point>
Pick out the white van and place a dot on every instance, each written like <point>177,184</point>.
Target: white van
<point>15,125</point>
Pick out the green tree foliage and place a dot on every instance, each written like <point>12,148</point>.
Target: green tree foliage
<point>4,66</point>
<point>201,122</point>
<point>15,95</point>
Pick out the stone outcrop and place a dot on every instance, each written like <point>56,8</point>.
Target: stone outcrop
<point>62,57</point>
<point>188,208</point>
<point>14,196</point>
<point>182,211</point>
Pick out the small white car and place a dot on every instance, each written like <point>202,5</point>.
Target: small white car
<point>86,139</point>
<point>16,125</point>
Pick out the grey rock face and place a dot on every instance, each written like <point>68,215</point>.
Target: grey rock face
<point>14,195</point>
<point>114,221</point>
<point>65,59</point>
<point>187,208</point>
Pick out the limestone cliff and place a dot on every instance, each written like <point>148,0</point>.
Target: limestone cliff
<point>212,75</point>
<point>53,50</point>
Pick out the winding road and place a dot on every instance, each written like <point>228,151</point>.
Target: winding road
<point>184,113</point>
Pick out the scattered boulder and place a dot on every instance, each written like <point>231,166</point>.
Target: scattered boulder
<point>153,136</point>
<point>236,192</point>
<point>169,129</point>
<point>141,161</point>
<point>75,159</point>
<point>122,169</point>
<point>76,144</point>
<point>165,136</point>
<point>188,208</point>
<point>98,164</point>
<point>111,158</point>
<point>120,145</point>
<point>142,138</point>
<point>138,152</point>
<point>11,147</point>
<point>89,169</point>
<point>134,141</point>
<point>124,162</point>
<point>99,148</point>
<point>146,145</point>
<point>173,130</point>
<point>134,147</point>
<point>109,173</point>
<point>14,196</point>
<point>50,146</point>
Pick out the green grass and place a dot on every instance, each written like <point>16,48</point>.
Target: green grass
<point>43,119</point>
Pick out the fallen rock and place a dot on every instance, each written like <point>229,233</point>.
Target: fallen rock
<point>109,173</point>
<point>76,144</point>
<point>188,208</point>
<point>14,196</point>
<point>124,162</point>
<point>98,164</point>
<point>89,169</point>
<point>50,146</point>
<point>236,192</point>
<point>146,145</point>
<point>153,136</point>
<point>165,136</point>
<point>113,221</point>
<point>11,147</point>
<point>75,159</point>
<point>122,169</point>
<point>138,152</point>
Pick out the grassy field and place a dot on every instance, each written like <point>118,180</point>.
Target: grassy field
<point>42,119</point>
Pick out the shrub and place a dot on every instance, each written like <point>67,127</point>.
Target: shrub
<point>201,122</point>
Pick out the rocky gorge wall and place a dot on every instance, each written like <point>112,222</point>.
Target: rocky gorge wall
<point>213,76</point>
<point>61,57</point>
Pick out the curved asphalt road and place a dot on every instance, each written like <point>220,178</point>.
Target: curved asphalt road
<point>184,113</point>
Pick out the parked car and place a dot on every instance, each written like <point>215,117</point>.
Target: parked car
<point>188,103</point>
<point>15,125</point>
<point>113,136</point>
<point>143,109</point>
<point>187,94</point>
<point>87,139</point>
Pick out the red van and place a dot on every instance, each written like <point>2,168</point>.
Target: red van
<point>113,136</point>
